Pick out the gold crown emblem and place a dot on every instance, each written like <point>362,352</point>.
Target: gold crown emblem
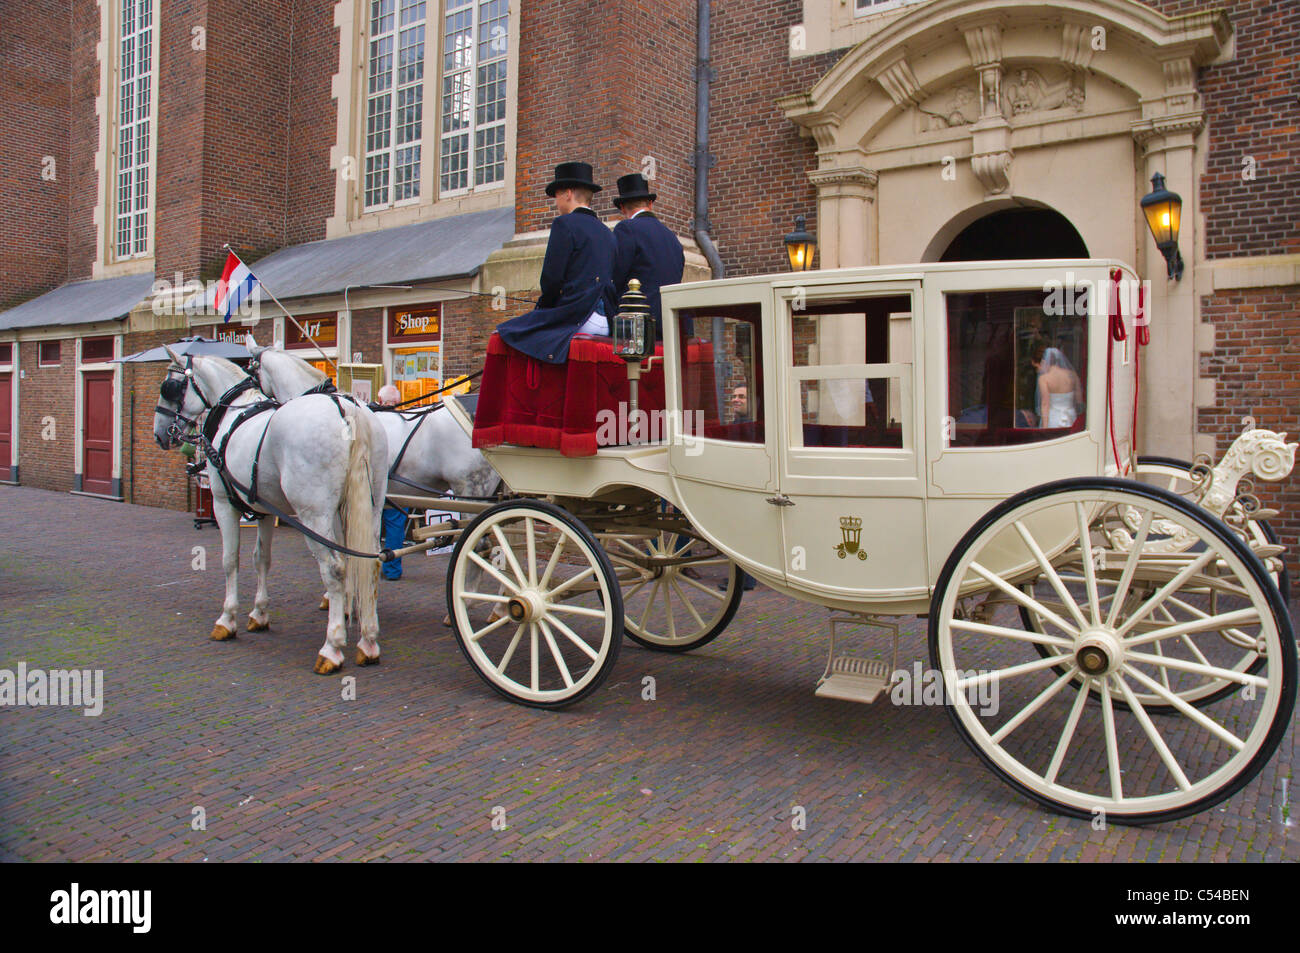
<point>850,522</point>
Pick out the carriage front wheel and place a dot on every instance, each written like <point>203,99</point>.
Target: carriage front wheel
<point>1124,623</point>
<point>534,603</point>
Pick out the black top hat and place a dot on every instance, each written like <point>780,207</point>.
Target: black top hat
<point>633,186</point>
<point>572,175</point>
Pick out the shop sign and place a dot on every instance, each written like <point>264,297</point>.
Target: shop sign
<point>323,327</point>
<point>421,322</point>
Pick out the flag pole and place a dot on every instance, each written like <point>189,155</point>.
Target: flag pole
<point>301,329</point>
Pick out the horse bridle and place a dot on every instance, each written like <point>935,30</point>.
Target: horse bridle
<point>174,389</point>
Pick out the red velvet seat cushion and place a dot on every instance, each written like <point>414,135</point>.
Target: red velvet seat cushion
<point>530,403</point>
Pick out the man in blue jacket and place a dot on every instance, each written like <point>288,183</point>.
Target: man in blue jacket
<point>577,273</point>
<point>647,248</point>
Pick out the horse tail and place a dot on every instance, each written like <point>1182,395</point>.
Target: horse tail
<point>361,576</point>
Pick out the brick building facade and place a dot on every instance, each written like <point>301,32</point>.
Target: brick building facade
<point>261,129</point>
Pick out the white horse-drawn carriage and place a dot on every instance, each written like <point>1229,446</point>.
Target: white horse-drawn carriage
<point>1109,634</point>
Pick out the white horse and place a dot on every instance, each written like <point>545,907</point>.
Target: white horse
<point>435,453</point>
<point>322,462</point>
<point>426,448</point>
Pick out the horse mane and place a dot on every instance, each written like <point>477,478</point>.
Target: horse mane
<point>226,365</point>
<point>316,373</point>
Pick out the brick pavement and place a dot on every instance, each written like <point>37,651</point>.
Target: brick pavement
<point>287,770</point>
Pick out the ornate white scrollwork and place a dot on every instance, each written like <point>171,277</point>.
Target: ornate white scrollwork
<point>1224,490</point>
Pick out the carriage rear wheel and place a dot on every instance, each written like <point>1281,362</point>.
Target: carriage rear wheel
<point>673,606</point>
<point>535,603</point>
<point>1136,623</point>
<point>1175,476</point>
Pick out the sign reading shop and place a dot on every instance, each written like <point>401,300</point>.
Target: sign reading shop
<point>421,322</point>
<point>323,327</point>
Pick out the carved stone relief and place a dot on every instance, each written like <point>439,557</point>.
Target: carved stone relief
<point>1024,91</point>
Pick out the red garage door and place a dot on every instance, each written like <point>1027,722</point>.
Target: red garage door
<point>97,432</point>
<point>6,425</point>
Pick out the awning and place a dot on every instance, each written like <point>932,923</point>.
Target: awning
<point>435,250</point>
<point>80,302</point>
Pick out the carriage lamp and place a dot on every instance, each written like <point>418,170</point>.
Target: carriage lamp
<point>634,335</point>
<point>800,245</point>
<point>1163,210</point>
<point>633,329</point>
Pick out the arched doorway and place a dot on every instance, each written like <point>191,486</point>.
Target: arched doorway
<point>1017,233</point>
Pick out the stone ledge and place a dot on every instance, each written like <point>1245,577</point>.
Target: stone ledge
<point>1272,271</point>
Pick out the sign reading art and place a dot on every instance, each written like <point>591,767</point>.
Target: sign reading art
<point>421,322</point>
<point>323,327</point>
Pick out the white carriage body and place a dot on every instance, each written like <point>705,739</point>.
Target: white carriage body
<point>865,525</point>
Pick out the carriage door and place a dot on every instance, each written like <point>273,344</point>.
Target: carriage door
<point>97,432</point>
<point>851,456</point>
<point>991,434</point>
<point>722,394</point>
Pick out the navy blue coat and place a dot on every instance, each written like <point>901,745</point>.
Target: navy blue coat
<point>649,251</point>
<point>576,273</point>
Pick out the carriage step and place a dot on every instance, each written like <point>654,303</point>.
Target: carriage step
<point>855,679</point>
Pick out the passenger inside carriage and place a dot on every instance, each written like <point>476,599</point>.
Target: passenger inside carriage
<point>1016,369</point>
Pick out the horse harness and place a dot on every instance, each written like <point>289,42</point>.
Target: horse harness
<point>243,498</point>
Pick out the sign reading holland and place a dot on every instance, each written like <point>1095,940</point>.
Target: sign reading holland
<point>36,688</point>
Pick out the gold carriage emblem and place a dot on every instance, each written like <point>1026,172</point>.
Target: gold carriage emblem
<point>851,527</point>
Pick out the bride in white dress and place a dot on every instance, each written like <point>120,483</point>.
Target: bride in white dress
<point>1060,392</point>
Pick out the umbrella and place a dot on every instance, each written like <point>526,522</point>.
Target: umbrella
<point>196,346</point>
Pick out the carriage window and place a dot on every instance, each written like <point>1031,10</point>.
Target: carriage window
<point>722,374</point>
<point>1017,367</point>
<point>852,361</point>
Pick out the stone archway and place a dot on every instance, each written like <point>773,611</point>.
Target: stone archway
<point>978,105</point>
<point>1015,232</point>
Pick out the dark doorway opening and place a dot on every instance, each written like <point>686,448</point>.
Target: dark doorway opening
<point>1017,233</point>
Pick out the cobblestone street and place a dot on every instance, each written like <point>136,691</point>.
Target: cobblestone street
<point>734,747</point>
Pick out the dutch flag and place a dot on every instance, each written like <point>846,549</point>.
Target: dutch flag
<point>234,288</point>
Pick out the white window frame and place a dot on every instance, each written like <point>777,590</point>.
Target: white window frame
<point>497,45</point>
<point>398,29</point>
<point>40,359</point>
<point>131,42</point>
<point>433,141</point>
<point>879,6</point>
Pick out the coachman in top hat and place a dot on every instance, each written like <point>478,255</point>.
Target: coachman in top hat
<point>647,248</point>
<point>577,273</point>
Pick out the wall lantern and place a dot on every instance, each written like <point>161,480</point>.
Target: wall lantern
<point>800,245</point>
<point>1163,210</point>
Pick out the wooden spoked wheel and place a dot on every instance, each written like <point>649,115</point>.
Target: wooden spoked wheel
<point>1176,477</point>
<point>678,593</point>
<point>534,603</point>
<point>1138,622</point>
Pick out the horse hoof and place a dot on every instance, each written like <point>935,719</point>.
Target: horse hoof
<point>255,626</point>
<point>325,604</point>
<point>221,634</point>
<point>325,667</point>
<point>364,659</point>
